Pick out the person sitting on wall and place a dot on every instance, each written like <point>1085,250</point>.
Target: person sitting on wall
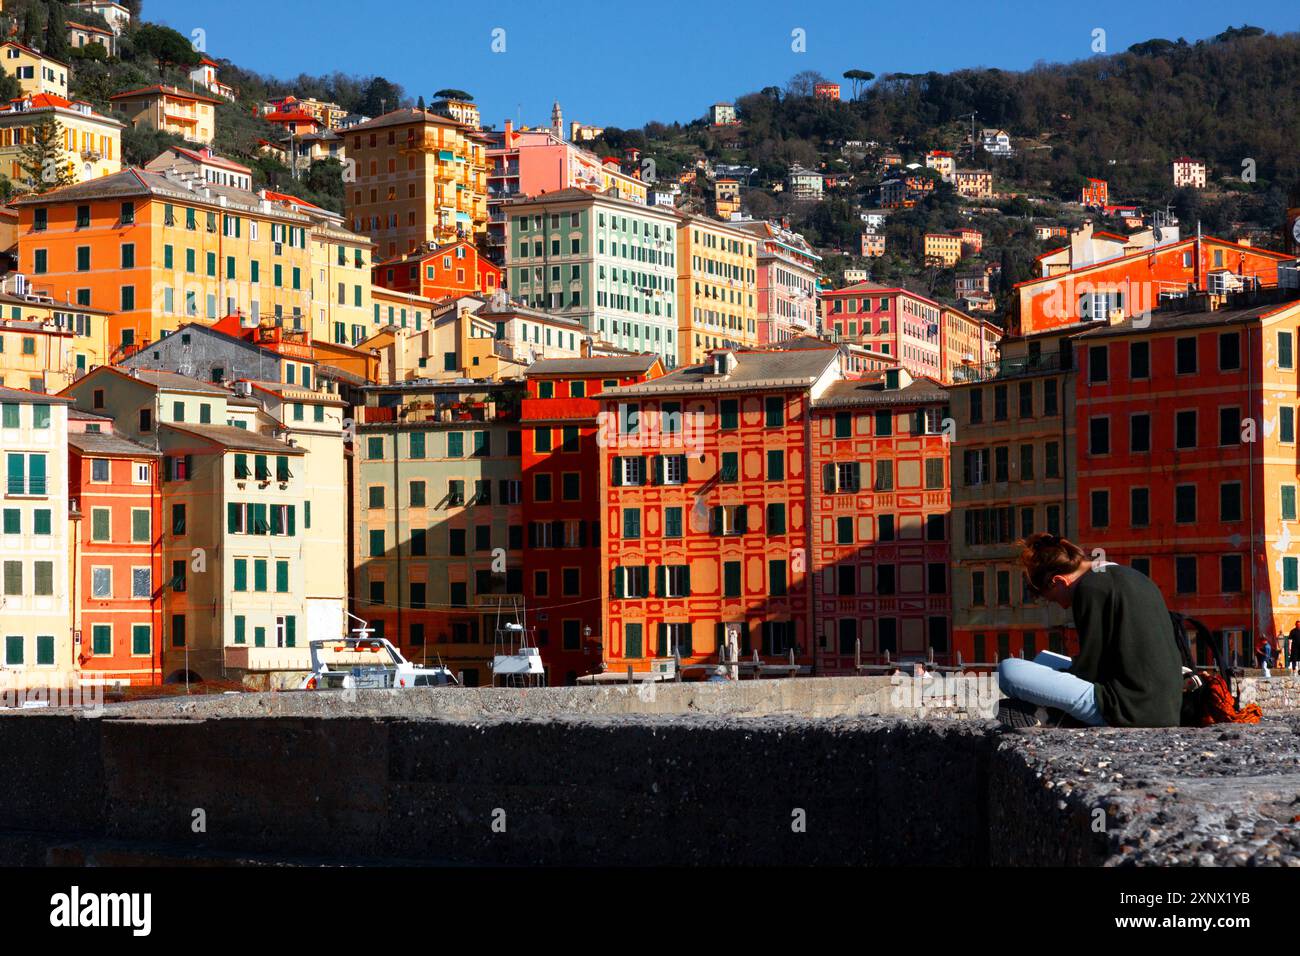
<point>1128,672</point>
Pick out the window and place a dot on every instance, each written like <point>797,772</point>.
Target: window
<point>884,424</point>
<point>1139,360</point>
<point>730,466</point>
<point>1230,576</point>
<point>1185,429</point>
<point>1185,356</point>
<point>1229,351</point>
<point>1185,574</point>
<point>1185,504</point>
<point>1049,397</point>
<point>1230,426</point>
<point>774,411</point>
<point>775,518</point>
<point>1139,433</point>
<point>1100,509</point>
<point>730,413</point>
<point>140,530</point>
<point>1286,424</point>
<point>1230,501</point>
<point>631,522</point>
<point>1099,436</point>
<point>1139,507</point>
<point>1098,364</point>
<point>1288,502</point>
<point>1285,350</point>
<point>776,578</point>
<point>775,465</point>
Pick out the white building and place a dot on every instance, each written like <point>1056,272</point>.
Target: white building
<point>37,608</point>
<point>996,142</point>
<point>804,183</point>
<point>117,16</point>
<point>1189,172</point>
<point>722,114</point>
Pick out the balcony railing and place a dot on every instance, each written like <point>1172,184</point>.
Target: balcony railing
<point>1012,368</point>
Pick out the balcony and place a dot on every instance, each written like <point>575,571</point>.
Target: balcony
<point>1012,368</point>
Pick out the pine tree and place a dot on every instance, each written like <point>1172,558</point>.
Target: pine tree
<point>42,157</point>
<point>56,33</point>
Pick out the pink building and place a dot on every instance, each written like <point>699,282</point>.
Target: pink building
<point>787,283</point>
<point>529,162</point>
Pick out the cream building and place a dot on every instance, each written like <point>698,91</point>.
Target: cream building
<point>35,602</point>
<point>91,143</point>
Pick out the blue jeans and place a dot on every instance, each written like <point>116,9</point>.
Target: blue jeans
<point>1048,685</point>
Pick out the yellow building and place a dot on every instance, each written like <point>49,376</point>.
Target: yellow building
<point>35,72</point>
<point>157,250</point>
<point>942,247</point>
<point>717,287</point>
<point>189,115</point>
<point>419,177</point>
<point>92,144</point>
<point>341,308</point>
<point>46,345</point>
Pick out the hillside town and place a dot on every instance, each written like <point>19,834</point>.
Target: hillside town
<point>648,414</point>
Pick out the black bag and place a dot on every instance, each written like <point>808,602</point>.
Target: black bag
<point>1202,687</point>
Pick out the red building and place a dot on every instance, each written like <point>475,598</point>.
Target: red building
<point>561,477</point>
<point>890,320</point>
<point>115,499</point>
<point>1095,193</point>
<point>440,272</point>
<point>880,521</point>
<point>1187,461</point>
<point>705,484</point>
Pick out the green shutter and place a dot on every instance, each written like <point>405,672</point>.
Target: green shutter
<point>290,631</point>
<point>241,574</point>
<point>282,576</point>
<point>292,519</point>
<point>239,629</point>
<point>232,518</point>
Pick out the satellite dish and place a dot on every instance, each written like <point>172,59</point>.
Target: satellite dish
<point>1158,234</point>
<point>1295,229</point>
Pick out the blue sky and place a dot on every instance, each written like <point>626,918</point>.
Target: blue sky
<point>617,63</point>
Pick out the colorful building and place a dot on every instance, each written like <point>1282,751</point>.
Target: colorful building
<point>440,271</point>
<point>1187,461</point>
<point>438,536</point>
<point>530,162</point>
<point>561,461</point>
<point>878,456</point>
<point>604,261</point>
<point>191,116</point>
<point>37,624</point>
<point>787,282</point>
<point>90,145</point>
<point>717,287</point>
<point>1012,460</point>
<point>115,499</point>
<point>420,177</point>
<point>34,71</point>
<point>45,344</point>
<point>705,490</point>
<point>890,320</point>
<point>1101,274</point>
<point>157,249</point>
<point>943,248</point>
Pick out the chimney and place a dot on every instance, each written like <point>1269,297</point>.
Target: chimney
<point>584,348</point>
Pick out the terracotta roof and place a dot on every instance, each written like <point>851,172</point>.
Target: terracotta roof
<point>403,117</point>
<point>1166,321</point>
<point>159,89</point>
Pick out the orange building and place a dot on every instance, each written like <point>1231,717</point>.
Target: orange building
<point>880,502</point>
<point>437,272</point>
<point>705,484</point>
<point>561,460</point>
<point>191,116</point>
<point>115,500</point>
<point>1134,279</point>
<point>1187,461</point>
<point>1095,193</point>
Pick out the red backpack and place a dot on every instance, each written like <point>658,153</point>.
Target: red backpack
<point>1207,694</point>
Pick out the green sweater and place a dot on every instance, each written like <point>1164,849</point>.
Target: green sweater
<point>1127,649</point>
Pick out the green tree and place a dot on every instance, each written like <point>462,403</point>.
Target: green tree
<point>164,45</point>
<point>56,33</point>
<point>450,94</point>
<point>42,157</point>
